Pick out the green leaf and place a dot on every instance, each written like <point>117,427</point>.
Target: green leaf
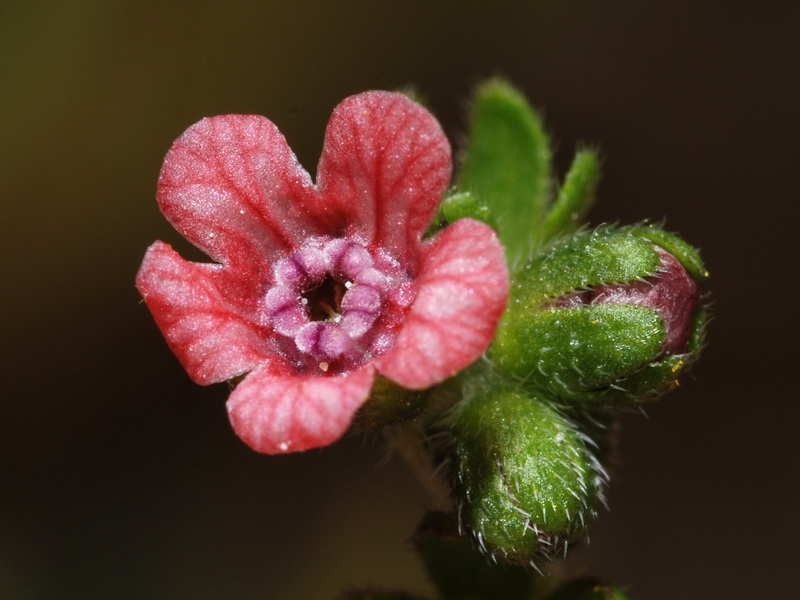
<point>507,166</point>
<point>575,197</point>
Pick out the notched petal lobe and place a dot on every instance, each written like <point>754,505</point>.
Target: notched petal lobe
<point>463,290</point>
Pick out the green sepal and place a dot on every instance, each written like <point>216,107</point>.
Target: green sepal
<point>686,254</point>
<point>526,480</point>
<point>588,588</point>
<point>657,377</point>
<point>575,197</point>
<point>698,336</point>
<point>584,259</point>
<point>458,570</point>
<point>461,205</point>
<point>579,353</point>
<point>388,404</point>
<point>650,383</point>
<point>507,166</point>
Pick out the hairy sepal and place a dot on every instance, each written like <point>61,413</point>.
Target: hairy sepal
<point>526,480</point>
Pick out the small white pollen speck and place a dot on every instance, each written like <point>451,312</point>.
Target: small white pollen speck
<point>283,446</point>
<point>324,366</point>
<point>241,212</point>
<point>304,300</point>
<point>211,234</point>
<point>348,284</point>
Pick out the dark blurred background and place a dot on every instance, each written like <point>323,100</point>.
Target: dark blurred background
<point>122,479</point>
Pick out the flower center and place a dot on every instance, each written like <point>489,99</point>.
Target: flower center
<point>324,302</point>
<point>337,302</point>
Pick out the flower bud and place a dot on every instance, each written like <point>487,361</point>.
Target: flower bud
<point>526,479</point>
<point>609,315</point>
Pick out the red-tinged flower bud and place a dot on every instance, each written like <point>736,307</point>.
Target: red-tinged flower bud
<point>671,292</point>
<point>610,315</point>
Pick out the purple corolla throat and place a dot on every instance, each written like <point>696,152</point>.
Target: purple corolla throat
<point>328,298</point>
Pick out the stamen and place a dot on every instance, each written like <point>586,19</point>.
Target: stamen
<point>324,301</point>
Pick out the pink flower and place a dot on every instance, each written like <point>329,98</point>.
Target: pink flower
<point>319,286</point>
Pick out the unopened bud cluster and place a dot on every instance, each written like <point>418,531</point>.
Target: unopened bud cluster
<point>598,319</point>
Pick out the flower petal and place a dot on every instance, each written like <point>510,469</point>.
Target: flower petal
<point>463,290</point>
<point>292,412</point>
<point>212,340</point>
<point>384,167</point>
<point>232,186</point>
